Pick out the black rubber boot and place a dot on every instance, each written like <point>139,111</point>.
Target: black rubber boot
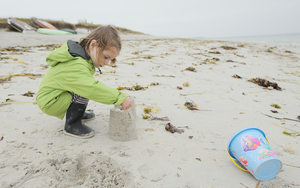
<point>88,115</point>
<point>74,126</point>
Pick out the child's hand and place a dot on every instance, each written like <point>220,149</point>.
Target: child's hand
<point>126,104</point>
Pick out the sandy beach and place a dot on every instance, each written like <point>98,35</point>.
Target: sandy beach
<point>35,152</point>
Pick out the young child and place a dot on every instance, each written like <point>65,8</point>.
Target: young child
<point>69,83</point>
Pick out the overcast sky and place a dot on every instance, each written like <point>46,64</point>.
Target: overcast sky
<point>174,18</point>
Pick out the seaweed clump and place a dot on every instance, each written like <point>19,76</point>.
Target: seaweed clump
<point>228,48</point>
<point>133,88</point>
<point>171,128</point>
<point>28,94</point>
<point>265,83</point>
<point>8,77</point>
<point>193,69</point>
<point>236,76</point>
<point>191,106</point>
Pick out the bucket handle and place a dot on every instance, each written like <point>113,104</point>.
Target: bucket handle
<point>245,170</point>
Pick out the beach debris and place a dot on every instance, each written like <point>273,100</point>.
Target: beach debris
<point>287,51</point>
<point>1,138</point>
<point>228,48</point>
<point>178,87</point>
<point>276,106</point>
<point>48,47</point>
<point>192,69</point>
<point>29,75</point>
<point>265,83</point>
<point>43,67</point>
<point>231,61</point>
<point>298,117</point>
<point>290,134</point>
<point>236,76</point>
<point>132,63</point>
<point>9,100</point>
<point>191,105</point>
<point>151,117</point>
<point>164,76</point>
<point>135,53</point>
<point>190,137</point>
<point>7,57</point>
<point>171,128</point>
<point>239,55</point>
<point>16,50</point>
<point>147,110</point>
<point>133,88</point>
<point>28,94</point>
<point>198,159</point>
<point>274,111</point>
<point>154,84</point>
<point>154,109</point>
<point>186,84</point>
<point>212,61</point>
<point>214,52</point>
<point>281,118</point>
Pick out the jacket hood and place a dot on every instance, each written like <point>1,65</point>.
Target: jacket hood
<point>68,51</point>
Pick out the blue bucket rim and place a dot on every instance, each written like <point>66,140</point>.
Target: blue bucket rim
<point>240,131</point>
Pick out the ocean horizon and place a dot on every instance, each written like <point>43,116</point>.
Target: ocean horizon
<point>286,39</point>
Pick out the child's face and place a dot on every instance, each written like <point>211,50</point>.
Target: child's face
<point>101,58</point>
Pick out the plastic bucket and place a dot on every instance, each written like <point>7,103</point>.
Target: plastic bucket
<point>251,148</point>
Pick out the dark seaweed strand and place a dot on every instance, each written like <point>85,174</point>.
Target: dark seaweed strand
<point>99,70</point>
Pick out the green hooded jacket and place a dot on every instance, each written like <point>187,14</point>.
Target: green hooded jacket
<point>72,71</point>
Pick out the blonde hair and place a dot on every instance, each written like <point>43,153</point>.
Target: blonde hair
<point>106,37</point>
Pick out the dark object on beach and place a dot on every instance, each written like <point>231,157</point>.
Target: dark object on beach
<point>276,106</point>
<point>228,48</point>
<point>20,26</point>
<point>215,52</point>
<point>190,106</point>
<point>191,69</point>
<point>274,111</point>
<point>178,87</point>
<point>236,76</point>
<point>28,94</point>
<point>198,159</point>
<point>154,84</point>
<point>265,83</point>
<point>169,127</point>
<point>190,137</point>
<point>298,117</point>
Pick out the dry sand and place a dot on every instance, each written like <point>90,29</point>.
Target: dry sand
<point>35,152</point>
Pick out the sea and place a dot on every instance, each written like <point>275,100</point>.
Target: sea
<point>285,39</point>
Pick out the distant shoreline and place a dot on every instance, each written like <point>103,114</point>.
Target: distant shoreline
<point>287,39</point>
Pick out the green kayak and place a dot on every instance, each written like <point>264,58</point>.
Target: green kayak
<point>52,32</point>
<point>69,30</point>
